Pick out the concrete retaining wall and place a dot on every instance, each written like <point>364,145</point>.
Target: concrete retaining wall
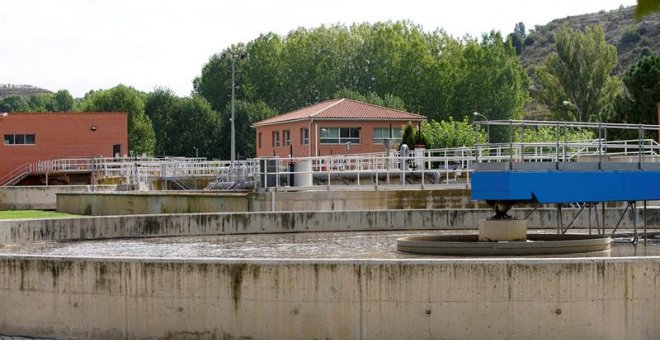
<point>25,231</point>
<point>319,299</point>
<point>41,197</point>
<point>364,200</point>
<point>128,203</point>
<point>178,202</point>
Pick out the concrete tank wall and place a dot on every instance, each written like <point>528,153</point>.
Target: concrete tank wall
<point>41,197</point>
<point>364,200</point>
<point>25,231</point>
<point>330,299</point>
<point>127,203</point>
<point>178,202</point>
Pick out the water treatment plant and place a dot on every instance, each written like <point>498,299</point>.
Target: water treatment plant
<point>498,241</point>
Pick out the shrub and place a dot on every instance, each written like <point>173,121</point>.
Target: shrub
<point>529,40</point>
<point>631,35</point>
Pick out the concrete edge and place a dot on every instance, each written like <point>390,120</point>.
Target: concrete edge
<point>343,261</point>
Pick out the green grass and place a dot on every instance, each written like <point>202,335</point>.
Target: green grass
<point>30,214</point>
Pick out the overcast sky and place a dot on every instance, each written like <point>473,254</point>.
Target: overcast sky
<point>80,45</point>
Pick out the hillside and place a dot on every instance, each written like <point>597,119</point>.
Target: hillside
<point>632,38</point>
<point>7,90</point>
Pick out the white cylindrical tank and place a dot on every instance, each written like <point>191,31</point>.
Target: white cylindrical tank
<point>303,175</point>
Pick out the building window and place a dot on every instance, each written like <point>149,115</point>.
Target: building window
<point>304,136</point>
<point>20,139</point>
<point>276,138</point>
<point>340,135</point>
<point>286,138</point>
<point>380,133</point>
<point>259,140</point>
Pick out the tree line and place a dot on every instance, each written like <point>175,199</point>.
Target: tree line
<point>394,64</point>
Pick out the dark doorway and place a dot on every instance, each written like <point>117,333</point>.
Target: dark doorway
<point>116,150</point>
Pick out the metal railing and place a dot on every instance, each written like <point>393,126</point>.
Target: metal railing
<point>15,174</point>
<point>564,150</point>
<point>355,172</point>
<point>453,166</point>
<point>420,168</point>
<point>132,170</point>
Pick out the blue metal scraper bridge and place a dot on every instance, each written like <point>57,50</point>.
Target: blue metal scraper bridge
<point>608,176</point>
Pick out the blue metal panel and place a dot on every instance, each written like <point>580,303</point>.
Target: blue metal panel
<point>567,186</point>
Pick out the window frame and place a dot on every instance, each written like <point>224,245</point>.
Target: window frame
<point>12,139</point>
<point>342,136</point>
<point>276,139</point>
<point>379,140</point>
<point>286,137</point>
<point>304,136</point>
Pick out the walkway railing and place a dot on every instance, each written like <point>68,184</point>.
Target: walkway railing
<point>419,168</point>
<point>453,166</point>
<point>132,170</point>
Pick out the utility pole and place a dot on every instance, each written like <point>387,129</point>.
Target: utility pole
<point>233,56</point>
<point>233,109</point>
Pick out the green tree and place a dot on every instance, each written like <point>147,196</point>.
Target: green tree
<point>198,126</point>
<point>61,101</point>
<point>490,81</point>
<point>141,137</point>
<point>215,82</point>
<point>263,71</point>
<point>184,126</point>
<point>517,38</point>
<point>246,113</point>
<point>451,133</point>
<point>431,72</point>
<point>14,104</point>
<point>408,136</point>
<point>549,134</point>
<point>393,58</point>
<point>161,106</point>
<point>638,102</point>
<point>520,30</point>
<point>40,102</point>
<point>389,100</point>
<point>580,72</point>
<point>646,7</point>
<point>517,42</point>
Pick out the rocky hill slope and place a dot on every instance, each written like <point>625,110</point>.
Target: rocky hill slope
<point>632,38</point>
<point>7,90</point>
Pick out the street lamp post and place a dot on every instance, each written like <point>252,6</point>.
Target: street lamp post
<point>233,56</point>
<point>233,109</point>
<point>477,114</point>
<point>567,103</point>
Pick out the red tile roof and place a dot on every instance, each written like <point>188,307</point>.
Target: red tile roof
<point>342,109</point>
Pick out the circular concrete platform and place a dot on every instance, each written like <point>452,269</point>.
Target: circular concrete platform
<point>536,244</point>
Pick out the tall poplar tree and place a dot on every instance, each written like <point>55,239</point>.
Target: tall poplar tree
<point>576,81</point>
<point>121,98</point>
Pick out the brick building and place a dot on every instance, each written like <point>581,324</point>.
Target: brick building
<point>30,137</point>
<point>338,126</point>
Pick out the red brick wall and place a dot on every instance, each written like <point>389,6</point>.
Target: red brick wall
<point>366,139</point>
<point>62,135</point>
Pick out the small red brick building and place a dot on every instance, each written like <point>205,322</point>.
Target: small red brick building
<point>31,136</point>
<point>338,126</point>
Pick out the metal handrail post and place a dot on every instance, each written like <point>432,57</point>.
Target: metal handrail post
<point>565,141</point>
<point>641,146</point>
<point>557,148</point>
<point>510,143</point>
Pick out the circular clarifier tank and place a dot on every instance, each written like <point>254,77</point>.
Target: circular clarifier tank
<point>289,285</point>
<point>539,244</point>
<point>335,245</point>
